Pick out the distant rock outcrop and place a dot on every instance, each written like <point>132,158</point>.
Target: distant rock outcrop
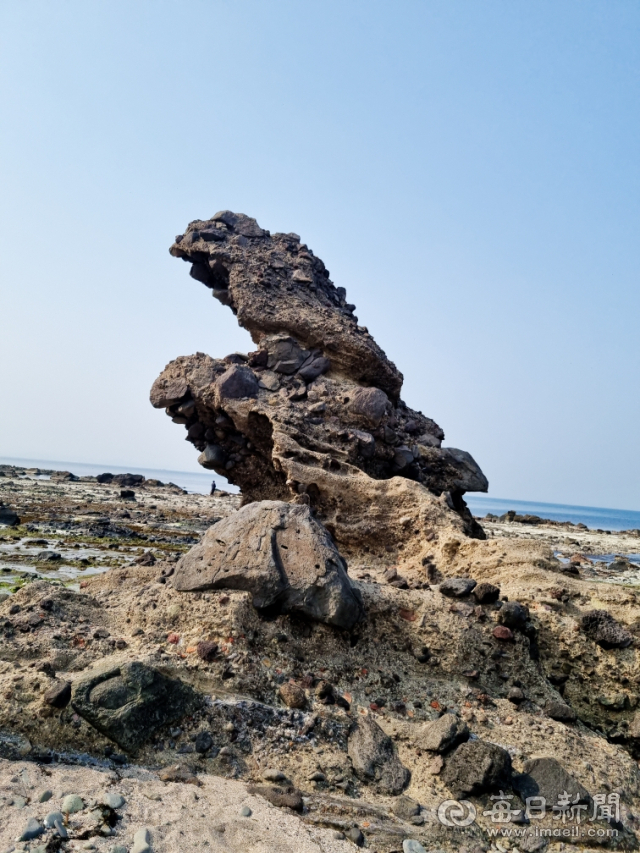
<point>314,413</point>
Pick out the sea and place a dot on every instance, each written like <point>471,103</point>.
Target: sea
<point>596,518</point>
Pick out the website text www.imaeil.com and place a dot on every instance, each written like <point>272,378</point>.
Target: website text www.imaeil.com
<point>571,816</point>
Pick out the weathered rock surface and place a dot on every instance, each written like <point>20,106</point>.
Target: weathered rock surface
<point>603,629</point>
<point>442,733</point>
<point>314,413</point>
<point>374,758</point>
<point>128,702</point>
<point>281,555</point>
<point>477,767</point>
<point>546,777</point>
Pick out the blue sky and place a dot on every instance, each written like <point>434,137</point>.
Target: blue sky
<point>469,171</point>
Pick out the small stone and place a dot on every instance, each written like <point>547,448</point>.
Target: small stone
<point>62,832</point>
<point>203,742</point>
<point>19,802</point>
<point>33,829</point>
<point>273,776</point>
<point>45,796</point>
<point>434,767</point>
<point>409,845</point>
<point>456,587</point>
<point>486,593</point>
<point>317,776</point>
<point>356,836</point>
<point>514,615</point>
<point>405,808</point>
<point>501,632</point>
<point>245,811</point>
<point>440,734</point>
<point>179,773</point>
<point>141,841</point>
<point>603,629</point>
<point>293,695</point>
<point>515,695</point>
<point>477,767</point>
<point>118,848</point>
<point>114,801</point>
<point>51,819</point>
<point>339,836</point>
<point>207,650</point>
<point>72,803</point>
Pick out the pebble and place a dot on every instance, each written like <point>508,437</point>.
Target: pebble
<point>114,801</point>
<point>118,849</point>
<point>409,845</point>
<point>245,811</point>
<point>33,829</point>
<point>72,803</point>
<point>141,841</point>
<point>356,836</point>
<point>19,802</point>
<point>44,796</point>
<point>339,836</point>
<point>62,832</point>
<point>274,776</point>
<point>51,818</point>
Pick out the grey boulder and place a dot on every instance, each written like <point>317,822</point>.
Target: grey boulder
<point>546,777</point>
<point>129,701</point>
<point>374,758</point>
<point>477,767</point>
<point>279,554</point>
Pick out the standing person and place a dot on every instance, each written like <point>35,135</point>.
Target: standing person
<point>213,487</point>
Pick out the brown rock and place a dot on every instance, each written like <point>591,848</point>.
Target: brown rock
<point>58,695</point>
<point>207,650</point>
<point>179,773</point>
<point>288,798</point>
<point>293,695</point>
<point>501,632</point>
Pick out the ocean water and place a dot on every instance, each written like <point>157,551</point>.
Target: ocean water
<point>594,517</point>
<point>480,505</point>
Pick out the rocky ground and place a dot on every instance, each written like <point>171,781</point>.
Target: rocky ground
<point>329,737</point>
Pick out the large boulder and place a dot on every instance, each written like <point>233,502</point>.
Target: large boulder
<point>374,758</point>
<point>280,554</point>
<point>128,702</point>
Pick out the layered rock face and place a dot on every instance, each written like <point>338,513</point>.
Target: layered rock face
<point>314,413</point>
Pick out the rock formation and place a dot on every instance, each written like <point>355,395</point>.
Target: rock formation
<point>314,414</point>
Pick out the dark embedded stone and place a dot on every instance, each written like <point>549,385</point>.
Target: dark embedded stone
<point>207,650</point>
<point>236,383</point>
<point>457,587</point>
<point>546,777</point>
<point>560,711</point>
<point>289,797</point>
<point>486,593</point>
<point>203,742</point>
<point>477,767</point>
<point>514,615</point>
<point>127,494</point>
<point>58,695</point>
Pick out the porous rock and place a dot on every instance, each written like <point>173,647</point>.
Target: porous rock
<point>281,555</point>
<point>128,702</point>
<point>336,432</point>
<point>546,777</point>
<point>477,767</point>
<point>374,758</point>
<point>514,615</point>
<point>603,629</point>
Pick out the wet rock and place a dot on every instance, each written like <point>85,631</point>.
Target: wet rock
<point>603,629</point>
<point>546,777</point>
<point>477,767</point>
<point>560,711</point>
<point>8,516</point>
<point>58,695</point>
<point>439,735</point>
<point>293,695</point>
<point>281,555</point>
<point>128,702</point>
<point>486,593</point>
<point>48,556</point>
<point>456,587</point>
<point>514,615</point>
<point>374,758</point>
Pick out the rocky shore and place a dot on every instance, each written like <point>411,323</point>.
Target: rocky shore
<point>342,657</point>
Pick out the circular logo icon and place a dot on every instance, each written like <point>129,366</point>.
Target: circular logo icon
<point>456,813</point>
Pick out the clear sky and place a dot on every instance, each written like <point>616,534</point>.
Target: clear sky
<point>469,171</point>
